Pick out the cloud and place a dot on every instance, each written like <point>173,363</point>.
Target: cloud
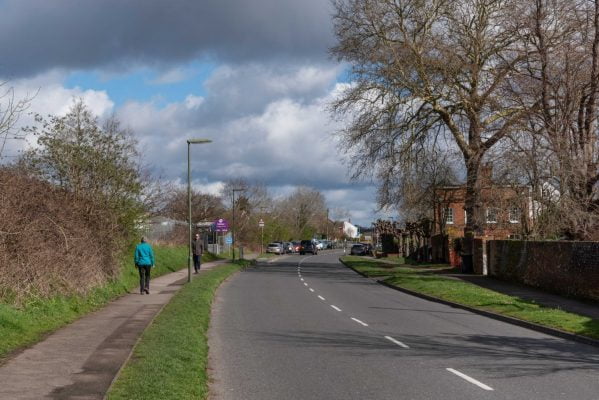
<point>173,75</point>
<point>48,97</point>
<point>37,36</point>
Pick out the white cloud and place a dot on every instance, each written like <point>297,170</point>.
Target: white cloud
<point>278,133</point>
<point>49,97</point>
<point>173,75</point>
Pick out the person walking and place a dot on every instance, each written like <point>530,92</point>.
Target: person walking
<point>197,248</point>
<point>144,261</point>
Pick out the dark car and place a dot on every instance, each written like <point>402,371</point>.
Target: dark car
<point>296,246</point>
<point>308,246</point>
<point>358,250</point>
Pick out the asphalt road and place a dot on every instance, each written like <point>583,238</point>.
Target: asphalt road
<point>306,327</point>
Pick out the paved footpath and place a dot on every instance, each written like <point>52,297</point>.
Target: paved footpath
<point>81,360</point>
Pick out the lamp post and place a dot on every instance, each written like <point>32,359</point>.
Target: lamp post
<point>233,230</point>
<point>189,143</point>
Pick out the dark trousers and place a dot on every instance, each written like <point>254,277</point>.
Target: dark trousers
<point>197,261</point>
<point>144,277</point>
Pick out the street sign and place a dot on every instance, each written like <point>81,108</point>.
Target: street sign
<point>229,240</point>
<point>261,223</point>
<point>221,225</point>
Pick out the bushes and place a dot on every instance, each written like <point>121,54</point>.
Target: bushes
<point>49,243</point>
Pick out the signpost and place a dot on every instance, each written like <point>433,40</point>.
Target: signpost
<point>261,225</point>
<point>221,225</point>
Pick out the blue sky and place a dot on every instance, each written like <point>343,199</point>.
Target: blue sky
<point>146,83</point>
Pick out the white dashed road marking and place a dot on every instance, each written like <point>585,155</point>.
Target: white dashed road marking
<point>359,322</point>
<point>321,298</point>
<point>312,290</point>
<point>469,379</point>
<point>397,342</point>
<point>335,308</point>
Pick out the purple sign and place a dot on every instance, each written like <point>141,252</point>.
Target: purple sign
<point>221,225</point>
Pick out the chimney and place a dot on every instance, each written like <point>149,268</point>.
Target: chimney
<point>485,174</point>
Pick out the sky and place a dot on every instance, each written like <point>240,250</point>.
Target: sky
<point>255,77</point>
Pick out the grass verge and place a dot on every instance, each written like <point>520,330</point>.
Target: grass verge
<point>25,325</point>
<point>170,360</point>
<point>428,279</point>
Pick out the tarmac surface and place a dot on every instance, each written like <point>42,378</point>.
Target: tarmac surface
<point>309,328</point>
<point>80,360</point>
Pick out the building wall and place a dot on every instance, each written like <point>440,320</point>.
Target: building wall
<point>499,198</point>
<point>567,268</point>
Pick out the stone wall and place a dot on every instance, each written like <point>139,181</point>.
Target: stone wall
<point>567,268</point>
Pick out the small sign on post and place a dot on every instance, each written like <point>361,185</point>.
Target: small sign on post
<point>261,225</point>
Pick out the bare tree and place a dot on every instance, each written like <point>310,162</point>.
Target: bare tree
<point>424,68</point>
<point>204,207</point>
<point>562,146</point>
<point>11,109</point>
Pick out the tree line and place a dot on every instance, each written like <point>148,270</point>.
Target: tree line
<point>302,214</point>
<point>440,88</point>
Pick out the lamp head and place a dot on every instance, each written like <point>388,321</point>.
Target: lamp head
<point>198,141</point>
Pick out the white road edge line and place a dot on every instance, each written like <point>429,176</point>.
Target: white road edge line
<point>321,298</point>
<point>359,322</point>
<point>469,379</point>
<point>335,308</point>
<point>312,290</point>
<point>397,342</point>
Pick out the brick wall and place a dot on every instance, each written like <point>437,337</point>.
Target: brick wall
<point>568,268</point>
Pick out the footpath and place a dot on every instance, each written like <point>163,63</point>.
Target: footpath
<point>80,360</point>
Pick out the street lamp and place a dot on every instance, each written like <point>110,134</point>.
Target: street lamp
<point>233,231</point>
<point>189,143</point>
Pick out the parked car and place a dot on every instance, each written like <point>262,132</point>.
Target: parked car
<point>276,248</point>
<point>358,249</point>
<point>308,246</point>
<point>319,244</point>
<point>288,247</point>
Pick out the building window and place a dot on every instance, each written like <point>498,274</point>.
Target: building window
<point>449,216</point>
<point>514,215</point>
<point>491,215</point>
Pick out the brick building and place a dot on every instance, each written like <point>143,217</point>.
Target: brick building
<point>507,214</point>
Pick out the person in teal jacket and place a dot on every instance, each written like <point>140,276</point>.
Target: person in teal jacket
<point>144,261</point>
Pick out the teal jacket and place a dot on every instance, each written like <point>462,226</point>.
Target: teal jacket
<point>144,255</point>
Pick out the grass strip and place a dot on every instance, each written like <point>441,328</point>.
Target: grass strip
<point>27,324</point>
<point>426,279</point>
<point>170,360</point>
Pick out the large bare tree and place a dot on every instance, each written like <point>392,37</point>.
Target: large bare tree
<point>562,145</point>
<point>428,67</point>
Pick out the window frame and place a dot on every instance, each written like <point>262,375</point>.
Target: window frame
<point>518,213</point>
<point>491,211</point>
<point>447,212</point>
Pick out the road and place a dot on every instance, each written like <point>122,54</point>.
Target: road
<point>306,327</point>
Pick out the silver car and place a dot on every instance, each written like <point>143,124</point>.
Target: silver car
<point>276,248</point>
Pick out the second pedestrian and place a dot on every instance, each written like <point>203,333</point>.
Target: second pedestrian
<point>197,247</point>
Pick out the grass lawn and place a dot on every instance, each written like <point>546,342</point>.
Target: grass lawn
<point>170,360</point>
<point>25,325</point>
<point>428,279</point>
